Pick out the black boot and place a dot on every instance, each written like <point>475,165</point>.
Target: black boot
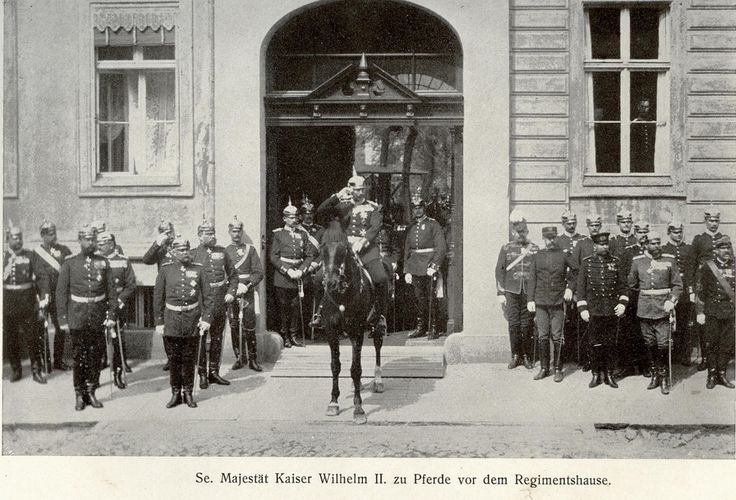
<point>167,366</point>
<point>253,352</point>
<point>293,340</point>
<point>118,379</point>
<point>203,382</point>
<point>515,361</point>
<point>317,318</point>
<point>653,372</point>
<point>60,365</point>
<point>215,378</point>
<point>17,374</point>
<point>722,380</point>
<point>38,375</point>
<point>127,367</point>
<point>287,340</point>
<point>595,368</point>
<point>596,380</point>
<point>703,364</point>
<point>527,362</point>
<point>92,399</point>
<point>420,331</point>
<point>544,360</point>
<point>609,380</point>
<point>79,404</point>
<point>711,382</point>
<point>558,362</point>
<point>188,399</point>
<point>664,372</point>
<point>238,362</point>
<point>253,364</point>
<point>175,397</point>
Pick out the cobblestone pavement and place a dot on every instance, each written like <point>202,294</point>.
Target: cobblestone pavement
<point>342,439</point>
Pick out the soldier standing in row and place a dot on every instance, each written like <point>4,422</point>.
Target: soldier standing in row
<point>51,256</point>
<point>550,286</point>
<point>601,287</point>
<point>682,253</point>
<point>20,320</point>
<point>702,251</point>
<point>182,305</point>
<point>512,283</point>
<point>291,255</point>
<point>626,237</point>
<point>222,281</point>
<point>312,279</point>
<point>657,279</point>
<point>250,273</point>
<point>123,277</point>
<point>715,287</point>
<point>159,253</point>
<point>87,305</point>
<point>424,252</point>
<point>567,242</point>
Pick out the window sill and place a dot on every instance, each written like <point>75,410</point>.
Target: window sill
<point>628,186</point>
<point>627,180</point>
<point>127,180</point>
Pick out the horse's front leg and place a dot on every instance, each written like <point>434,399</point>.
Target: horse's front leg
<point>356,371</point>
<point>378,379</point>
<point>334,407</point>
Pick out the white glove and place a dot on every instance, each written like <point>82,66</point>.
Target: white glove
<point>64,327</point>
<point>531,306</point>
<point>393,266</point>
<point>291,273</point>
<point>229,298</point>
<point>242,289</point>
<point>161,239</point>
<point>357,245</point>
<point>345,194</point>
<point>299,273</point>
<point>700,318</point>
<point>121,304</point>
<point>407,278</point>
<point>692,297</point>
<point>568,295</point>
<point>501,299</point>
<point>108,323</point>
<point>160,329</point>
<point>203,326</point>
<point>585,315</point>
<point>668,306</point>
<point>43,302</point>
<point>431,271</point>
<point>619,310</point>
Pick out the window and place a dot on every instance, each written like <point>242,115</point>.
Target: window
<point>627,72</point>
<point>137,127</point>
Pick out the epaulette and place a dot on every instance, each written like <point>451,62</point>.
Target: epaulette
<point>588,257</point>
<point>631,246</point>
<point>277,230</point>
<point>373,203</point>
<point>70,256</point>
<point>668,255</point>
<point>614,257</point>
<point>639,257</point>
<point>196,264</point>
<point>167,263</point>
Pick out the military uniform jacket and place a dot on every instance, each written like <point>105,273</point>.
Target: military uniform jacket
<point>549,275</point>
<point>181,297</point>
<point>711,298</point>
<point>246,263</point>
<point>290,249</point>
<point>18,284</point>
<point>657,281</point>
<point>567,243</point>
<point>620,242</point>
<point>601,285</point>
<point>50,260</point>
<point>424,246</point>
<point>123,276</point>
<point>683,254</point>
<point>85,293</point>
<point>157,254</point>
<point>363,220</point>
<point>218,271</point>
<point>702,251</point>
<point>513,267</point>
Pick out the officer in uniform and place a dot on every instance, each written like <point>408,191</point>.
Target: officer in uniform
<point>123,277</point>
<point>550,286</point>
<point>182,305</point>
<point>715,287</point>
<point>20,320</point>
<point>101,227</point>
<point>388,259</point>
<point>50,257</point>
<point>424,252</point>
<point>362,220</point>
<point>291,255</point>
<point>683,310</point>
<point>87,304</point>
<point>626,237</point>
<point>567,242</point>
<point>159,252</point>
<point>656,276</point>
<point>312,279</point>
<point>250,273</point>
<point>601,287</point>
<point>222,280</point>
<point>702,251</point>
<point>512,283</point>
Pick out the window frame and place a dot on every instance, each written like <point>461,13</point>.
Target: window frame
<point>92,182</point>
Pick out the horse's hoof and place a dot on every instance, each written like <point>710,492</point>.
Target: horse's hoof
<point>359,418</point>
<point>333,410</point>
<point>378,387</point>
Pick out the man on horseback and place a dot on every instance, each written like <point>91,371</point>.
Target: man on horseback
<point>361,220</point>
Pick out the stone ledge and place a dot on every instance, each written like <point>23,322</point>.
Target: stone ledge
<point>463,347</point>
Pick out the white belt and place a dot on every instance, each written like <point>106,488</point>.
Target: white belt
<point>292,261</point>
<point>422,250</point>
<point>244,276</point>
<point>655,291</point>
<point>88,300</point>
<point>218,284</point>
<point>24,286</point>
<point>182,308</point>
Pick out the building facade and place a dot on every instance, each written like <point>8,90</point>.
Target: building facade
<point>134,111</point>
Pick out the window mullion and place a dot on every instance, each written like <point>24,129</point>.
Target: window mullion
<point>625,82</point>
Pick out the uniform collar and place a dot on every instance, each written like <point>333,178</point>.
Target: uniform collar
<point>712,234</point>
<point>721,262</point>
<point>422,219</point>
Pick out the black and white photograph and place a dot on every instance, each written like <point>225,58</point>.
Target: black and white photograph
<point>298,247</point>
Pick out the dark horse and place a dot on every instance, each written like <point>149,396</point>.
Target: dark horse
<point>347,307</point>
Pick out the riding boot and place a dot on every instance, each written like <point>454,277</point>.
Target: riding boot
<point>238,362</point>
<point>544,360</point>
<point>292,338</point>
<point>720,377</point>
<point>420,331</point>
<point>215,377</point>
<point>175,397</point>
<point>37,371</point>
<point>711,381</point>
<point>17,374</point>
<point>285,336</point>
<point>79,403</point>
<point>187,396</point>
<point>703,363</point>
<point>252,353</point>
<point>595,368</point>
<point>91,398</point>
<point>118,379</point>
<point>317,318</point>
<point>558,361</point>
<point>124,355</point>
<point>515,361</point>
<point>595,381</point>
<point>203,382</point>
<point>609,380</point>
<point>664,371</point>
<point>527,362</point>
<point>104,363</point>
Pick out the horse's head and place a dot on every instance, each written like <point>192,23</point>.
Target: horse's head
<point>334,257</point>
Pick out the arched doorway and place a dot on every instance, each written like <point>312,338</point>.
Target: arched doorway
<point>375,86</point>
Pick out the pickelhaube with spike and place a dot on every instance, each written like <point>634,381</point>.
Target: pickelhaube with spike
<point>624,215</point>
<point>87,231</point>
<point>12,230</point>
<point>235,223</point>
<point>100,225</point>
<point>517,219</point>
<point>712,213</point>
<point>674,224</point>
<point>307,205</point>
<point>180,243</point>
<point>417,200</point>
<point>593,219</point>
<point>104,237</point>
<point>205,226</point>
<point>290,209</point>
<point>568,215</point>
<point>46,226</point>
<point>641,226</point>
